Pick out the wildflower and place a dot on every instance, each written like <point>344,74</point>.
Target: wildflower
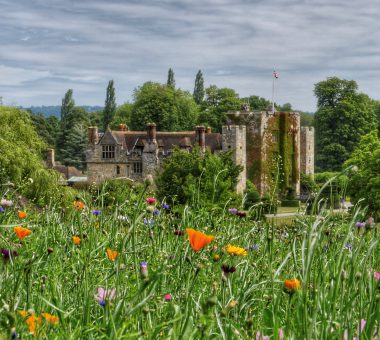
<point>7,253</point>
<point>22,232</point>
<point>376,275</point>
<point>148,222</point>
<point>23,313</point>
<point>291,285</point>
<point>236,250</point>
<point>216,258</point>
<point>76,240</point>
<point>33,322</point>
<point>123,218</point>
<point>104,294</point>
<point>165,206</point>
<point>198,240</point>
<point>179,232</point>
<point>233,211</point>
<point>150,200</point>
<point>156,212</point>
<point>52,319</point>
<point>167,297</point>
<point>79,205</point>
<point>348,246</point>
<point>96,212</point>
<point>112,254</point>
<point>254,247</point>
<point>144,270</point>
<point>13,333</point>
<point>227,270</point>
<point>241,214</point>
<point>2,210</point>
<point>360,224</point>
<point>6,203</point>
<point>22,214</point>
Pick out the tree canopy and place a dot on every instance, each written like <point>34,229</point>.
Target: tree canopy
<point>109,105</point>
<point>343,116</point>
<point>171,109</point>
<point>199,89</point>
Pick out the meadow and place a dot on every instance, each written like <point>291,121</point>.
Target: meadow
<point>144,269</point>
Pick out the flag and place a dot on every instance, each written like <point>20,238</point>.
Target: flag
<point>275,74</point>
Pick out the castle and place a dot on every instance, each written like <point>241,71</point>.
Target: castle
<point>263,143</point>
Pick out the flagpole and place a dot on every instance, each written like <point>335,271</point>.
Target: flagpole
<point>273,91</point>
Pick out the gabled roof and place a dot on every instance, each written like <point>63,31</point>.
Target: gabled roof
<point>108,138</point>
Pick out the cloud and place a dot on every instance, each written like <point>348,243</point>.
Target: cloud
<point>83,44</point>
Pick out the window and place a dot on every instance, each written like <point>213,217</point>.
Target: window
<point>108,151</point>
<point>117,170</point>
<point>137,168</point>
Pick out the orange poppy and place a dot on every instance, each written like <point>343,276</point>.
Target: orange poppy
<point>52,319</point>
<point>112,254</point>
<point>79,205</point>
<point>198,240</point>
<point>291,285</point>
<point>22,214</point>
<point>22,232</point>
<point>76,240</point>
<point>23,313</point>
<point>33,323</point>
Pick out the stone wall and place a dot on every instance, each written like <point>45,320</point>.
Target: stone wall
<point>234,138</point>
<point>307,150</point>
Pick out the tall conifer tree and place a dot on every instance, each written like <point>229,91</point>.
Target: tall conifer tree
<point>199,90</point>
<point>171,80</point>
<point>109,106</point>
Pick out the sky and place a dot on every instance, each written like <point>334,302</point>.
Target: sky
<point>50,46</point>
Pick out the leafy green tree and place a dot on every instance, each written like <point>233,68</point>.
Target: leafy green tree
<point>364,182</point>
<point>171,81</point>
<point>169,108</point>
<point>109,106</point>
<point>199,89</point>
<point>217,103</point>
<point>197,177</point>
<point>22,151</point>
<point>307,118</point>
<point>343,116</point>
<point>67,107</point>
<point>122,115</point>
<point>287,107</point>
<point>257,103</point>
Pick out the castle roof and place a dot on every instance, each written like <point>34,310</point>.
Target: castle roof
<point>165,140</point>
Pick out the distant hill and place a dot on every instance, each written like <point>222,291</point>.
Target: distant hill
<point>56,109</point>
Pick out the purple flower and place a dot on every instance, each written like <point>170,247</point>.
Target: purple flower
<point>360,224</point>
<point>7,253</point>
<point>148,222</point>
<point>164,206</point>
<point>144,270</point>
<point>233,210</point>
<point>348,246</point>
<point>254,247</point>
<point>156,212</point>
<point>168,297</point>
<point>96,212</point>
<point>6,203</point>
<point>104,294</point>
<point>2,210</point>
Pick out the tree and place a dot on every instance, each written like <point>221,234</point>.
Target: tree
<point>169,108</point>
<point>47,128</point>
<point>343,116</point>
<point>199,90</point>
<point>217,103</point>
<point>109,106</point>
<point>364,182</point>
<point>257,103</point>
<point>307,118</point>
<point>196,176</point>
<point>170,82</point>
<point>122,115</point>
<point>68,105</point>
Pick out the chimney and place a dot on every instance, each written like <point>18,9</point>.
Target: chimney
<point>123,127</point>
<point>93,135</point>
<point>200,135</point>
<point>151,132</point>
<point>208,129</point>
<point>50,159</point>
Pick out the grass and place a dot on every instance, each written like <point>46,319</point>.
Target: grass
<point>333,260</point>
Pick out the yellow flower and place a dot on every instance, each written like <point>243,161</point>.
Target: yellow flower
<point>52,319</point>
<point>236,250</point>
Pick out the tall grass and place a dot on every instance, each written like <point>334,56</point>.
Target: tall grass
<point>333,260</point>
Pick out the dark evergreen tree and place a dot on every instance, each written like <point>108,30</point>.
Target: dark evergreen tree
<point>68,105</point>
<point>171,81</point>
<point>109,106</point>
<point>199,89</point>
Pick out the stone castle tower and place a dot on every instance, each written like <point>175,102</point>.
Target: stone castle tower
<point>307,150</point>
